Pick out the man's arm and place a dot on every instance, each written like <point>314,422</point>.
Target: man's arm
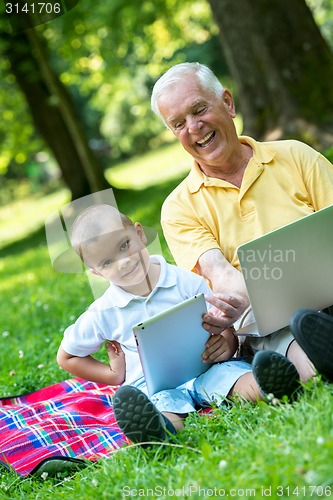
<point>91,369</point>
<point>230,297</point>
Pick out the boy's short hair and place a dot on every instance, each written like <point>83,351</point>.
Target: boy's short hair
<point>93,222</point>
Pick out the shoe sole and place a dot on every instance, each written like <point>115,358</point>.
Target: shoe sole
<point>275,374</point>
<point>137,417</point>
<point>314,333</point>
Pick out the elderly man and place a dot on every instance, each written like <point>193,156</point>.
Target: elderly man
<point>238,189</point>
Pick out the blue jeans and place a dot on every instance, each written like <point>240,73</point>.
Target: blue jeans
<point>213,386</point>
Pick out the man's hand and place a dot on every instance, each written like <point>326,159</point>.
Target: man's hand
<point>225,311</point>
<point>220,347</point>
<point>230,294</point>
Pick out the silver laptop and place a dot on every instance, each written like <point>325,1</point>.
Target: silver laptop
<point>171,343</point>
<point>287,269</point>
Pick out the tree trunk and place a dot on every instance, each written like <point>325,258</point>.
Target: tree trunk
<point>282,66</point>
<point>53,114</point>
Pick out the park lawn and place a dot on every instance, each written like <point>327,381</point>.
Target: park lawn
<point>155,167</point>
<point>243,451</point>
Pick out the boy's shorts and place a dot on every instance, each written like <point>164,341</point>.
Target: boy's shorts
<point>213,386</point>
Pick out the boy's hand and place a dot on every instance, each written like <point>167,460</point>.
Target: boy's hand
<point>219,348</point>
<point>90,368</point>
<point>116,356</point>
<point>113,349</point>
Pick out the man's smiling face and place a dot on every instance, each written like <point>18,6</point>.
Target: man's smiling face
<point>201,121</point>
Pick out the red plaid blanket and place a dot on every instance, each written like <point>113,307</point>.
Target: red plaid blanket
<point>67,422</point>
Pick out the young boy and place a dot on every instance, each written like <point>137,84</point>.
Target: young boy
<point>140,286</point>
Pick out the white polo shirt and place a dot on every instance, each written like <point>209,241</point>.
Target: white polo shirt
<point>112,316</point>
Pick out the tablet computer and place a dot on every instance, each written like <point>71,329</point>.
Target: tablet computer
<point>171,344</point>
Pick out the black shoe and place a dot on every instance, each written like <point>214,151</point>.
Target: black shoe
<point>138,418</point>
<point>275,374</point>
<point>314,333</point>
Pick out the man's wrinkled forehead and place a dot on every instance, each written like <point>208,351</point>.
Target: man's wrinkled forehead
<point>190,96</point>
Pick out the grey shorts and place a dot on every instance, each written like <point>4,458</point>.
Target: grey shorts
<point>278,341</point>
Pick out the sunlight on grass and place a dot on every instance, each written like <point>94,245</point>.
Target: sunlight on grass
<point>20,218</point>
<point>152,168</point>
<point>164,164</point>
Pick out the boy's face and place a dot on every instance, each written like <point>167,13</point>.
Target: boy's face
<point>120,256</point>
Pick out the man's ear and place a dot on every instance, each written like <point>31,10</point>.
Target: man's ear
<point>228,102</point>
<point>141,233</point>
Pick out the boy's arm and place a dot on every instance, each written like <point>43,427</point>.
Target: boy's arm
<point>91,369</point>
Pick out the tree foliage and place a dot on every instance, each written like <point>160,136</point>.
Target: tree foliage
<point>283,67</point>
<point>108,58</point>
<point>108,55</point>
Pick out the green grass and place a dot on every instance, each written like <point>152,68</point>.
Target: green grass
<point>238,452</point>
<point>23,216</point>
<point>153,168</point>
<point>242,451</point>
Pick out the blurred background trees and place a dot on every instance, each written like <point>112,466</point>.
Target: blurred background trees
<point>282,67</point>
<point>75,92</point>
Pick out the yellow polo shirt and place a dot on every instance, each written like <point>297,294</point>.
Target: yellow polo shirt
<point>283,181</point>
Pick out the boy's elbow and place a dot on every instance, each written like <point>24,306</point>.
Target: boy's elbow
<point>59,361</point>
<point>62,357</point>
<point>118,379</point>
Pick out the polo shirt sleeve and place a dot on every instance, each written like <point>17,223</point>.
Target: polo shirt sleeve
<point>319,183</point>
<point>84,337</point>
<point>186,237</point>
